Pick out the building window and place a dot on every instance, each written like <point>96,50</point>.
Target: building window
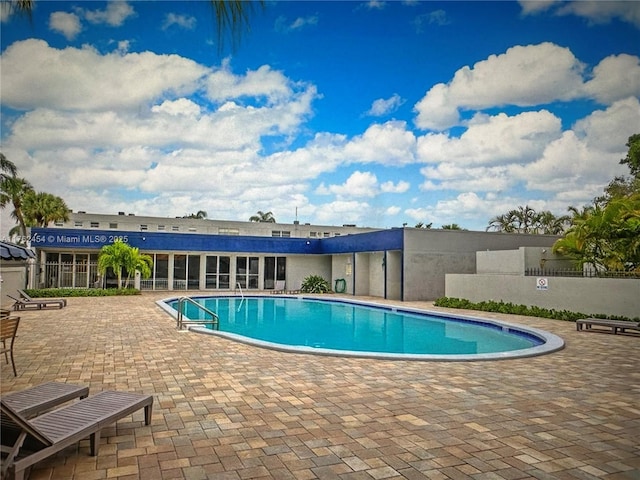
<point>95,224</point>
<point>275,233</point>
<point>228,231</point>
<point>78,223</point>
<point>175,228</point>
<point>217,274</point>
<point>113,225</point>
<point>247,272</point>
<point>144,228</point>
<point>161,228</point>
<point>327,234</point>
<point>313,234</point>
<point>192,229</point>
<point>59,224</point>
<point>286,234</point>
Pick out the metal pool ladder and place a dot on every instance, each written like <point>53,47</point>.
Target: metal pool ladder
<point>214,322</point>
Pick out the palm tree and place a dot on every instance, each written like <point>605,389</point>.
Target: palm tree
<point>13,191</point>
<point>201,214</point>
<point>452,226</point>
<point>423,225</point>
<point>501,223</point>
<point>40,209</point>
<point>136,261</point>
<point>7,167</point>
<point>550,224</point>
<point>113,256</point>
<point>261,216</point>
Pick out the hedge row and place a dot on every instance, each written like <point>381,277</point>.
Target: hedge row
<point>511,308</point>
<point>80,292</point>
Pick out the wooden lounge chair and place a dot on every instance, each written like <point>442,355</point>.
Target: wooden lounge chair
<point>26,442</point>
<point>33,401</point>
<point>613,325</point>
<point>24,295</point>
<point>37,304</point>
<point>8,331</point>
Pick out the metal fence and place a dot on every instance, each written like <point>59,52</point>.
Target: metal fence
<point>591,273</point>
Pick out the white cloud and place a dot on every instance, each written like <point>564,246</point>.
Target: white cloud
<point>359,184</point>
<point>575,161</point>
<point>342,211</point>
<point>68,24</point>
<point>614,78</point>
<point>264,82</point>
<point>389,143</point>
<point>283,25</point>
<point>186,22</point>
<point>522,76</point>
<point>390,187</point>
<point>499,139</point>
<point>603,12</point>
<point>114,15</point>
<point>384,106</point>
<point>182,106</point>
<point>536,6</point>
<point>83,79</point>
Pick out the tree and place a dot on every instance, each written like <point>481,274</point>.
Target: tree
<point>114,256</point>
<point>423,225</point>
<point>261,216</point>
<point>136,261</point>
<point>7,167</point>
<point>501,223</point>
<point>40,209</point>
<point>621,185</point>
<point>606,235</point>
<point>452,226</point>
<point>633,155</point>
<point>607,238</point>
<point>527,220</point>
<point>13,191</point>
<point>201,214</point>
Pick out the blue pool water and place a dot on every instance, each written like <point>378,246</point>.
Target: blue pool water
<point>341,327</point>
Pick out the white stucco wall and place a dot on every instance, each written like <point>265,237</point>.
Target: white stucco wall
<point>609,296</point>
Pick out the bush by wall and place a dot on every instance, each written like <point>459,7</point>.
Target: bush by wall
<point>514,309</point>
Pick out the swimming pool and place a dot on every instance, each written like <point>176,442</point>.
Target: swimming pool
<point>352,328</point>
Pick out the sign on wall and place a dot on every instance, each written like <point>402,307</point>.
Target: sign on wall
<point>542,283</point>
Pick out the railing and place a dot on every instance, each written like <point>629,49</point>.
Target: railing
<point>214,322</point>
<point>547,272</point>
<point>241,295</point>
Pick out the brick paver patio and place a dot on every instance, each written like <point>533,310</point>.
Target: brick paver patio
<point>225,410</point>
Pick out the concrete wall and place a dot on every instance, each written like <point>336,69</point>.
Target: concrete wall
<point>514,262</point>
<point>361,269</point>
<point>300,267</point>
<point>376,274</point>
<point>342,267</point>
<point>14,277</point>
<point>431,254</point>
<point>591,296</point>
<point>394,275</point>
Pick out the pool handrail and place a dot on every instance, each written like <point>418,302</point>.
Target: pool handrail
<point>214,322</point>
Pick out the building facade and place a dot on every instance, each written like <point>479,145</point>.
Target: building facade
<point>210,255</point>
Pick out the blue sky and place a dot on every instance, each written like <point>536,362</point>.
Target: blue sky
<point>374,113</point>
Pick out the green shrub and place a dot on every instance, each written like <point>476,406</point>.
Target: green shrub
<point>533,311</point>
<point>315,284</point>
<point>79,292</point>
